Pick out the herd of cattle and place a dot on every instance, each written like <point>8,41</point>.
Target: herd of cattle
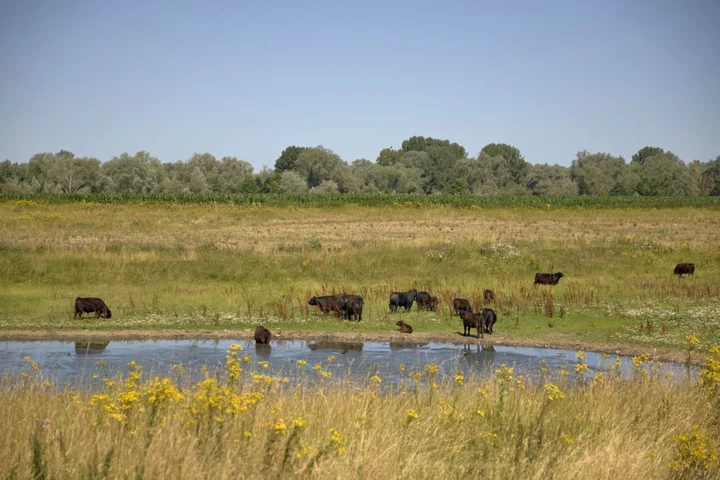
<point>350,306</point>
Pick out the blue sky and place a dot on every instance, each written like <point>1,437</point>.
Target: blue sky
<point>248,79</point>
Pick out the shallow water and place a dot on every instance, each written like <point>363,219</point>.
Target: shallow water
<point>75,363</point>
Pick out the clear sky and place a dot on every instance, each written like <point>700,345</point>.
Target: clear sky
<point>248,79</point>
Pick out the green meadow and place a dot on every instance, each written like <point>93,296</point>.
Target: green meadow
<point>160,262</point>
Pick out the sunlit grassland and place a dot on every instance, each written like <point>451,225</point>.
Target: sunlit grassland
<point>171,265</point>
<point>243,421</point>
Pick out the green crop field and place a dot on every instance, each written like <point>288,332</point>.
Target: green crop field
<point>228,262</point>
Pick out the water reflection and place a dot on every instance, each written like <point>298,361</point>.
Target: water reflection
<point>355,360</point>
<point>394,346</point>
<point>90,348</point>
<point>263,350</point>
<point>342,347</point>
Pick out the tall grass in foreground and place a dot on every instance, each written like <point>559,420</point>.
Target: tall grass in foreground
<point>241,422</point>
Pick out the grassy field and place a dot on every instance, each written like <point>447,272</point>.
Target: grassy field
<point>161,264</point>
<point>240,422</point>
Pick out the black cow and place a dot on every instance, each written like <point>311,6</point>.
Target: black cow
<point>488,296</point>
<point>489,318</point>
<point>262,335</point>
<point>548,278</point>
<point>402,299</point>
<point>326,304</point>
<point>351,306</point>
<point>684,268</point>
<point>472,320</point>
<point>461,305</point>
<point>404,327</point>
<point>426,301</point>
<point>91,305</point>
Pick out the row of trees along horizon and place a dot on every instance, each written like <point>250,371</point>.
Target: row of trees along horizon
<point>421,166</point>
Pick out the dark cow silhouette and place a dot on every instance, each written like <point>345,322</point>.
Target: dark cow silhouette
<point>548,278</point>
<point>489,319</point>
<point>402,299</point>
<point>262,335</point>
<point>404,327</point>
<point>351,306</point>
<point>684,268</point>
<point>326,304</point>
<point>427,301</point>
<point>461,305</point>
<point>488,296</point>
<point>472,320</point>
<point>89,305</point>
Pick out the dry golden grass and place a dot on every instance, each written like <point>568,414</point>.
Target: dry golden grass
<point>249,425</point>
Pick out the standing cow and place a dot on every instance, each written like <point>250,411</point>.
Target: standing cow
<point>472,320</point>
<point>461,305</point>
<point>488,296</point>
<point>262,335</point>
<point>90,304</point>
<point>351,306</point>
<point>684,268</point>
<point>402,299</point>
<point>547,278</point>
<point>489,318</point>
<point>426,301</point>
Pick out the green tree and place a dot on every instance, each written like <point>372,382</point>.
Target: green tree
<point>710,178</point>
<point>288,157</point>
<point>318,164</point>
<point>389,156</point>
<point>234,175</point>
<point>664,174</point>
<point>325,187</point>
<point>516,164</point>
<point>292,182</point>
<point>422,144</point>
<point>551,180</point>
<point>139,173</point>
<point>645,153</point>
<point>596,173</point>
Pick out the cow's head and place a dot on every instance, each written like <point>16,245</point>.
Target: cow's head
<point>313,301</point>
<point>108,313</point>
<point>559,275</point>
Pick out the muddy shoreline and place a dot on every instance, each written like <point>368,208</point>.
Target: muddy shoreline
<point>659,354</point>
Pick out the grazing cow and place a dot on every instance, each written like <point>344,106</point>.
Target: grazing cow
<point>548,278</point>
<point>402,299</point>
<point>404,327</point>
<point>461,305</point>
<point>684,268</point>
<point>489,318</point>
<point>326,304</point>
<point>472,320</point>
<point>91,305</point>
<point>351,306</point>
<point>427,301</point>
<point>488,296</point>
<point>262,335</point>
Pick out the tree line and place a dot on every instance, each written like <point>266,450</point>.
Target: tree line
<point>420,166</point>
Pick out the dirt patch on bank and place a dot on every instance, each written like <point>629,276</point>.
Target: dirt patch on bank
<point>558,341</point>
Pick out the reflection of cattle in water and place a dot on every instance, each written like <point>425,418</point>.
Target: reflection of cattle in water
<point>406,346</point>
<point>479,354</point>
<point>262,350</point>
<point>89,348</point>
<point>342,347</point>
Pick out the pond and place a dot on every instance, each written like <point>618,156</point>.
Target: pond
<point>75,363</point>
